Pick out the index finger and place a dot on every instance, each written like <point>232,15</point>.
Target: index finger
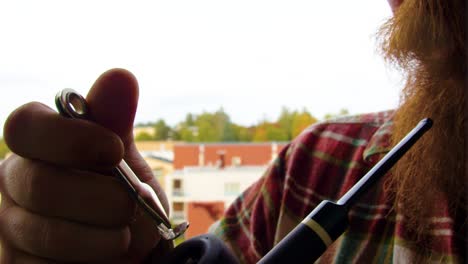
<point>37,132</point>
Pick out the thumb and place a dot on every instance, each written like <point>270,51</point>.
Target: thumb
<point>113,101</point>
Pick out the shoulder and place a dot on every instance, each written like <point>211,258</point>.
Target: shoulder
<point>349,125</point>
<point>347,132</point>
<point>329,156</point>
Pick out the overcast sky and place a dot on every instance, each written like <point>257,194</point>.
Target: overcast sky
<point>249,57</point>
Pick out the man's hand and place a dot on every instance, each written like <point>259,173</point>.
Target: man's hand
<point>59,201</point>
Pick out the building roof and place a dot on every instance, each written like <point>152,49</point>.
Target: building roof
<point>231,143</point>
<point>166,156</point>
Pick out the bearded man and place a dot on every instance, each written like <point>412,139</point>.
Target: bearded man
<point>419,213</point>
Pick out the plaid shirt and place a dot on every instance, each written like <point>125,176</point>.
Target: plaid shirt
<point>323,163</point>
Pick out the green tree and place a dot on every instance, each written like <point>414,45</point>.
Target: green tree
<point>162,130</point>
<point>342,112</point>
<point>301,121</point>
<point>218,127</point>
<point>3,149</point>
<point>186,133</point>
<point>285,120</point>
<point>242,133</point>
<point>186,130</point>
<point>224,126</point>
<point>144,136</point>
<point>207,127</point>
<point>267,131</point>
<point>190,119</point>
<point>211,126</point>
<point>207,131</point>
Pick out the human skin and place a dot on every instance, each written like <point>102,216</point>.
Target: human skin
<point>59,201</point>
<point>394,4</point>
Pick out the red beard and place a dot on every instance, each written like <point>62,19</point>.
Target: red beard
<point>426,38</point>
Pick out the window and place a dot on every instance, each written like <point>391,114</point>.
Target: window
<point>236,161</point>
<point>177,187</point>
<point>177,206</point>
<point>177,184</point>
<point>178,211</point>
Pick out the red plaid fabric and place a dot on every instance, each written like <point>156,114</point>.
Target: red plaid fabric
<point>323,163</point>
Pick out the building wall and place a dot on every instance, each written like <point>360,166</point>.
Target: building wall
<point>249,154</point>
<point>212,184</point>
<point>197,188</point>
<point>154,145</point>
<point>206,185</point>
<point>202,215</point>
<point>161,168</point>
<point>145,129</point>
<point>185,155</point>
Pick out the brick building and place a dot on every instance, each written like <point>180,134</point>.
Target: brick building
<point>208,177</point>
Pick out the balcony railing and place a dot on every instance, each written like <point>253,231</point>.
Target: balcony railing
<point>178,215</point>
<point>178,192</point>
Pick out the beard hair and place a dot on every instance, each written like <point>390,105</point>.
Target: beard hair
<point>426,39</point>
<point>434,170</point>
